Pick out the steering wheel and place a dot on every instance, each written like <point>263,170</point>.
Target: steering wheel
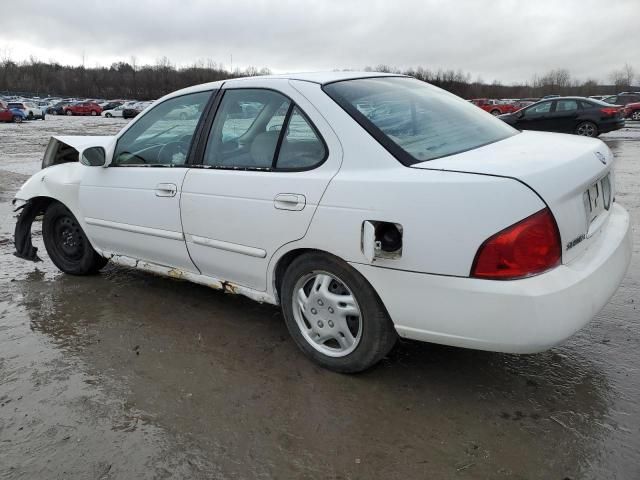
<point>173,153</point>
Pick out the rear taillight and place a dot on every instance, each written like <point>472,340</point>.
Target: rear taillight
<point>527,248</point>
<point>609,111</point>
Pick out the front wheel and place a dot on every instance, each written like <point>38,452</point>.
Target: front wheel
<point>108,115</point>
<point>587,129</point>
<point>93,113</point>
<point>334,315</point>
<point>635,115</point>
<point>495,113</point>
<point>69,113</point>
<point>66,243</point>
<point>17,119</point>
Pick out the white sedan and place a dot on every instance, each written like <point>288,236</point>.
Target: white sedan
<point>367,205</point>
<point>114,112</point>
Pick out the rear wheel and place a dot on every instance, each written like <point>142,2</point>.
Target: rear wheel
<point>495,112</point>
<point>30,116</point>
<point>66,243</point>
<point>635,115</point>
<point>587,129</point>
<point>69,113</point>
<point>334,315</point>
<point>93,113</point>
<point>108,115</point>
<point>17,119</point>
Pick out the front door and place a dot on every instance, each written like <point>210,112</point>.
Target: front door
<point>536,117</point>
<point>265,168</point>
<point>132,207</point>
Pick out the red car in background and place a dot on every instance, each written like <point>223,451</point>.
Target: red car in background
<point>632,111</point>
<point>83,108</point>
<point>8,114</point>
<point>494,107</point>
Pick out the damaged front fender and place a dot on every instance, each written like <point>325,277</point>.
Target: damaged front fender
<point>28,211</point>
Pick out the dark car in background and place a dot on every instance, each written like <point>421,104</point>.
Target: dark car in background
<point>110,105</point>
<point>578,115</point>
<point>623,98</point>
<point>57,109</point>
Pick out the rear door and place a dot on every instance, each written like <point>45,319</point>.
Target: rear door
<point>564,116</point>
<point>266,163</point>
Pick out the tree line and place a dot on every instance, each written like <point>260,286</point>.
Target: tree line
<point>145,82</point>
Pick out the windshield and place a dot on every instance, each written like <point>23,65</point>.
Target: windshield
<point>416,121</point>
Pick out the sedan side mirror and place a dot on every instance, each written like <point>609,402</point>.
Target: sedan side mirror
<point>93,157</point>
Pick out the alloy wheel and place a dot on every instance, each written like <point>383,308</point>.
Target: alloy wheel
<point>586,129</point>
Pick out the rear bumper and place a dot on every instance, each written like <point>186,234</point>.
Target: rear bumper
<point>611,125</point>
<point>519,316</point>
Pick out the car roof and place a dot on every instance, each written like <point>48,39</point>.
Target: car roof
<point>321,78</point>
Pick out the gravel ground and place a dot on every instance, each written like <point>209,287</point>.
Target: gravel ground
<point>129,375</point>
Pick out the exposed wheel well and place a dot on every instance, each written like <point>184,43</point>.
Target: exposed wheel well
<point>285,261</point>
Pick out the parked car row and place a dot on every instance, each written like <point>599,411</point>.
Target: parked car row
<point>629,100</point>
<point>11,114</point>
<point>578,115</point>
<point>36,108</point>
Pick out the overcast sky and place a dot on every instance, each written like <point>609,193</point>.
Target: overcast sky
<point>506,40</point>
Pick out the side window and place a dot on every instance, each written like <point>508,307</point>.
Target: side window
<point>301,146</point>
<point>544,107</point>
<point>566,106</point>
<point>246,129</point>
<point>611,100</point>
<point>162,136</point>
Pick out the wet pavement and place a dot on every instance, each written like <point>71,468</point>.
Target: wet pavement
<point>128,375</point>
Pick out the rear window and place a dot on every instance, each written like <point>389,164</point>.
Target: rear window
<point>415,121</point>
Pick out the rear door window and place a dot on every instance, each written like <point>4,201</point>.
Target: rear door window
<point>566,106</point>
<point>415,121</point>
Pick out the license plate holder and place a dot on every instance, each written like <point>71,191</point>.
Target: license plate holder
<point>597,199</point>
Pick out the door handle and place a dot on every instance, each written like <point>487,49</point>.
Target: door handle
<point>166,190</point>
<point>289,201</point>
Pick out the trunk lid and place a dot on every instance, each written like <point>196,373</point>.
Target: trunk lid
<point>572,174</point>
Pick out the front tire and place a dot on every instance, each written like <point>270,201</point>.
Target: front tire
<point>635,115</point>
<point>69,113</point>
<point>108,115</point>
<point>17,119</point>
<point>495,112</point>
<point>587,129</point>
<point>334,315</point>
<point>66,243</point>
<point>93,113</point>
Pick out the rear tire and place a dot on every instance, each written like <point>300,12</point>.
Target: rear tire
<point>108,115</point>
<point>69,113</point>
<point>495,112</point>
<point>17,119</point>
<point>30,116</point>
<point>635,115</point>
<point>587,129</point>
<point>324,297</point>
<point>93,113</point>
<point>66,243</point>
